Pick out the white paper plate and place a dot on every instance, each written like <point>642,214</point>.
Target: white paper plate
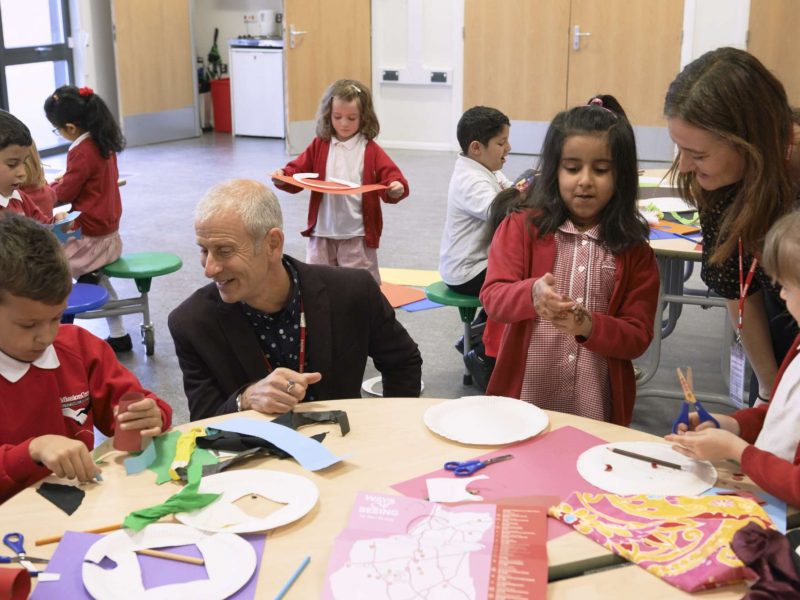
<point>629,476</point>
<point>229,561</point>
<point>298,493</point>
<point>486,420</point>
<point>667,204</point>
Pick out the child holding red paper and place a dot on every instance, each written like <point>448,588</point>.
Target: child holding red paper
<point>345,230</point>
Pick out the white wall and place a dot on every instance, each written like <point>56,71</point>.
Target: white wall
<point>415,37</point>
<point>93,46</point>
<point>709,24</point>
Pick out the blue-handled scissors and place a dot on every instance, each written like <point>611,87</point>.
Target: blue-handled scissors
<point>16,542</point>
<point>468,467</point>
<point>690,400</point>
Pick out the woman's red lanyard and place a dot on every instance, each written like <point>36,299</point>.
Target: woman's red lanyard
<point>302,354</point>
<point>744,285</point>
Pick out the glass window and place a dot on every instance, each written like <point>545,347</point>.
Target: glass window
<point>31,23</point>
<point>28,86</point>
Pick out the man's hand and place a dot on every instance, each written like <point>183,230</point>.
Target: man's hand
<point>64,457</point>
<point>144,415</point>
<point>278,392</point>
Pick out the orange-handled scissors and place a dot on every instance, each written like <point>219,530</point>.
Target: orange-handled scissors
<point>690,400</point>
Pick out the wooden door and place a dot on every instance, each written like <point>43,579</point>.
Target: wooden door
<point>515,56</point>
<point>155,70</point>
<point>633,52</point>
<point>335,45</point>
<point>773,25</point>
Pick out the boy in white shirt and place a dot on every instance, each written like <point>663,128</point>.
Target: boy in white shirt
<point>477,178</point>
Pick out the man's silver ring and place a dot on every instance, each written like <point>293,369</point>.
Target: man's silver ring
<point>289,387</point>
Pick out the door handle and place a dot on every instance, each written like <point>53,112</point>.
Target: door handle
<point>292,33</point>
<point>576,37</point>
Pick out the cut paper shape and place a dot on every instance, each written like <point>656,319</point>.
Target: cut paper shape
<point>629,476</point>
<point>187,499</point>
<point>419,305</point>
<point>676,227</point>
<point>542,466</point>
<point>412,277</point>
<point>68,558</point>
<point>296,420</point>
<point>103,448</point>
<point>400,295</point>
<point>66,497</point>
<point>64,228</point>
<point>229,563</point>
<point>453,489</point>
<point>232,442</point>
<point>165,453</point>
<point>309,453</point>
<point>136,463</point>
<point>327,186</point>
<point>184,448</point>
<point>299,494</point>
<point>486,420</point>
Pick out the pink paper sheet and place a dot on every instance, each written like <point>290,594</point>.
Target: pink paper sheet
<point>544,465</point>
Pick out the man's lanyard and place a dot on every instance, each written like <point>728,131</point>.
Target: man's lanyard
<point>301,355</point>
<point>744,285</point>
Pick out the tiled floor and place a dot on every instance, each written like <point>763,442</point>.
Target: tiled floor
<point>165,182</point>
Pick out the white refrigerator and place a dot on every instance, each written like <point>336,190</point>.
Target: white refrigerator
<point>257,91</point>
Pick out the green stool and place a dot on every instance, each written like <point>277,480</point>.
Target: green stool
<point>467,307</point>
<point>141,267</point>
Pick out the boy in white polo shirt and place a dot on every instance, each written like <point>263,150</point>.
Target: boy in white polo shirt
<point>477,178</point>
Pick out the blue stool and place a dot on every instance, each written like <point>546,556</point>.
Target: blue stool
<point>82,298</point>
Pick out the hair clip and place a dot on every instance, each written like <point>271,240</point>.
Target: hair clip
<point>86,91</point>
<point>599,102</point>
<point>522,185</point>
<point>355,87</point>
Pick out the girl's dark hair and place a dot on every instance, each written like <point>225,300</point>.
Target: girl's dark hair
<point>730,94</point>
<point>607,101</point>
<point>87,111</point>
<point>622,226</point>
<point>347,90</point>
<point>512,199</point>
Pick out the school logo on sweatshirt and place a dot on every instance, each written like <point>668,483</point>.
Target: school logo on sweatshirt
<point>76,407</point>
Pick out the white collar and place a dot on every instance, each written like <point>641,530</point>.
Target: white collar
<point>474,165</point>
<point>14,370</point>
<point>4,200</point>
<point>350,143</point>
<point>78,140</point>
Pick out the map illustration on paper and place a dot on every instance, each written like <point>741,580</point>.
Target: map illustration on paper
<point>402,548</point>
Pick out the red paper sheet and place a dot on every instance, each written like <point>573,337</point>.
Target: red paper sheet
<point>544,465</point>
<point>329,187</point>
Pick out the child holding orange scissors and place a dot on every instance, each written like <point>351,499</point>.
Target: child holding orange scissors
<point>765,439</point>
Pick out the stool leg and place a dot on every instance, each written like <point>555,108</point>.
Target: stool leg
<point>467,380</point>
<point>147,329</point>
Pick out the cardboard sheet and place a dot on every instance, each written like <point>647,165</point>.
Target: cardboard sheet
<point>412,277</point>
<point>328,187</point>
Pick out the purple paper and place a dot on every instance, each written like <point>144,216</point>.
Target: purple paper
<point>421,305</point>
<point>68,562</point>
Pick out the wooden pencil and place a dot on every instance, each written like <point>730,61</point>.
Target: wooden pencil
<point>57,538</point>
<point>192,560</point>
<point>649,459</point>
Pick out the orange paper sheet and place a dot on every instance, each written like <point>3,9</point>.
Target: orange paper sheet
<point>329,187</point>
<point>400,295</point>
<point>676,227</point>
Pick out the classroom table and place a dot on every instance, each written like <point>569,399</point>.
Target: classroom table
<point>388,443</point>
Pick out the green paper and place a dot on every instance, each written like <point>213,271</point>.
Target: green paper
<point>184,501</point>
<point>165,454</point>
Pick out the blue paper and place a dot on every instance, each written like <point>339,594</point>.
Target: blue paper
<point>61,228</point>
<point>139,462</point>
<point>775,508</point>
<point>423,304</point>
<point>309,453</point>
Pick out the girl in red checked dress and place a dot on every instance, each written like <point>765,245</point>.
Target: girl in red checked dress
<point>90,183</point>
<point>574,278</point>
<point>345,230</point>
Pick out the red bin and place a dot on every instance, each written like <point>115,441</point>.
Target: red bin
<point>221,101</point>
